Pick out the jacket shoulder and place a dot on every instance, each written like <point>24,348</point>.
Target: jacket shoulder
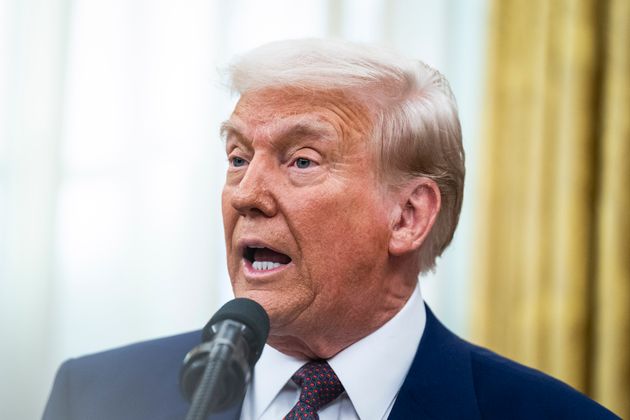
<point>156,351</point>
<point>127,382</point>
<point>506,388</point>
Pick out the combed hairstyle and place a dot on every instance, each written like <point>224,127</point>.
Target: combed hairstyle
<point>415,132</point>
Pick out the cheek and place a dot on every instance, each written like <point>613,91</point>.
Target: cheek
<point>225,199</point>
<point>349,233</point>
<point>230,218</point>
<point>229,215</point>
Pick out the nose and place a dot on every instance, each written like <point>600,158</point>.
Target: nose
<point>253,196</point>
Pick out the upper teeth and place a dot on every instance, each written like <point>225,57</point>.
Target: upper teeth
<point>265,265</point>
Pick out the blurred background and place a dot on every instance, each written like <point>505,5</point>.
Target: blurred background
<point>111,169</point>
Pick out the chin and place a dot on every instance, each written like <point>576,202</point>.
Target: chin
<point>262,297</point>
<point>275,304</point>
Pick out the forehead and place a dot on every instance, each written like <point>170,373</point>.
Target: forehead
<point>273,112</point>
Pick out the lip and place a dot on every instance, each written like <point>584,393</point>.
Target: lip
<point>252,274</point>
<point>256,243</point>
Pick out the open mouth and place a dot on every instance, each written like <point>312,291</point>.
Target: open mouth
<point>265,259</point>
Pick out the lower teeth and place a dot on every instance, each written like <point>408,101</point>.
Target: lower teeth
<point>265,265</point>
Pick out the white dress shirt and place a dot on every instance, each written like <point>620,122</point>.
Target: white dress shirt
<point>372,370</point>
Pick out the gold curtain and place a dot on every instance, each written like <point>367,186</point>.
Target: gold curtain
<point>553,262</point>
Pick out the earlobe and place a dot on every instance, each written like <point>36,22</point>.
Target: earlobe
<point>419,206</point>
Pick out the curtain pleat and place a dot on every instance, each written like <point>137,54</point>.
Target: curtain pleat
<point>612,319</point>
<point>552,278</point>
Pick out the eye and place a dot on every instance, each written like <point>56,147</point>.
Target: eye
<point>302,163</point>
<point>237,161</point>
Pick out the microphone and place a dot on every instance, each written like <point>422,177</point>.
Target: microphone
<point>215,373</point>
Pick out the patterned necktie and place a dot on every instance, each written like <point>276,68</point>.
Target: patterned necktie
<point>319,385</point>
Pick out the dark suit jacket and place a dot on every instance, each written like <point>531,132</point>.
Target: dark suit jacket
<point>448,379</point>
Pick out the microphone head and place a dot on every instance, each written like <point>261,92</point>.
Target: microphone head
<point>247,349</point>
<point>248,312</point>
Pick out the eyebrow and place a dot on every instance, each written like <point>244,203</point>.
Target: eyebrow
<point>289,127</point>
<point>230,128</point>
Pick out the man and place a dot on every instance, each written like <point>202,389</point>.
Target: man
<point>345,182</point>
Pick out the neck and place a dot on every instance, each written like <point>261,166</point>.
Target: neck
<point>325,339</point>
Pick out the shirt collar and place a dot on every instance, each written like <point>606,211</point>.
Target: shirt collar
<point>372,370</point>
<point>273,370</point>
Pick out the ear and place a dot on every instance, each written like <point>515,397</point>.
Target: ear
<point>420,202</point>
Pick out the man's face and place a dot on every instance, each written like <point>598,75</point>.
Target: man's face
<point>306,222</point>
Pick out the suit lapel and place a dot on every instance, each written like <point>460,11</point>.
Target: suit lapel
<point>439,384</point>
